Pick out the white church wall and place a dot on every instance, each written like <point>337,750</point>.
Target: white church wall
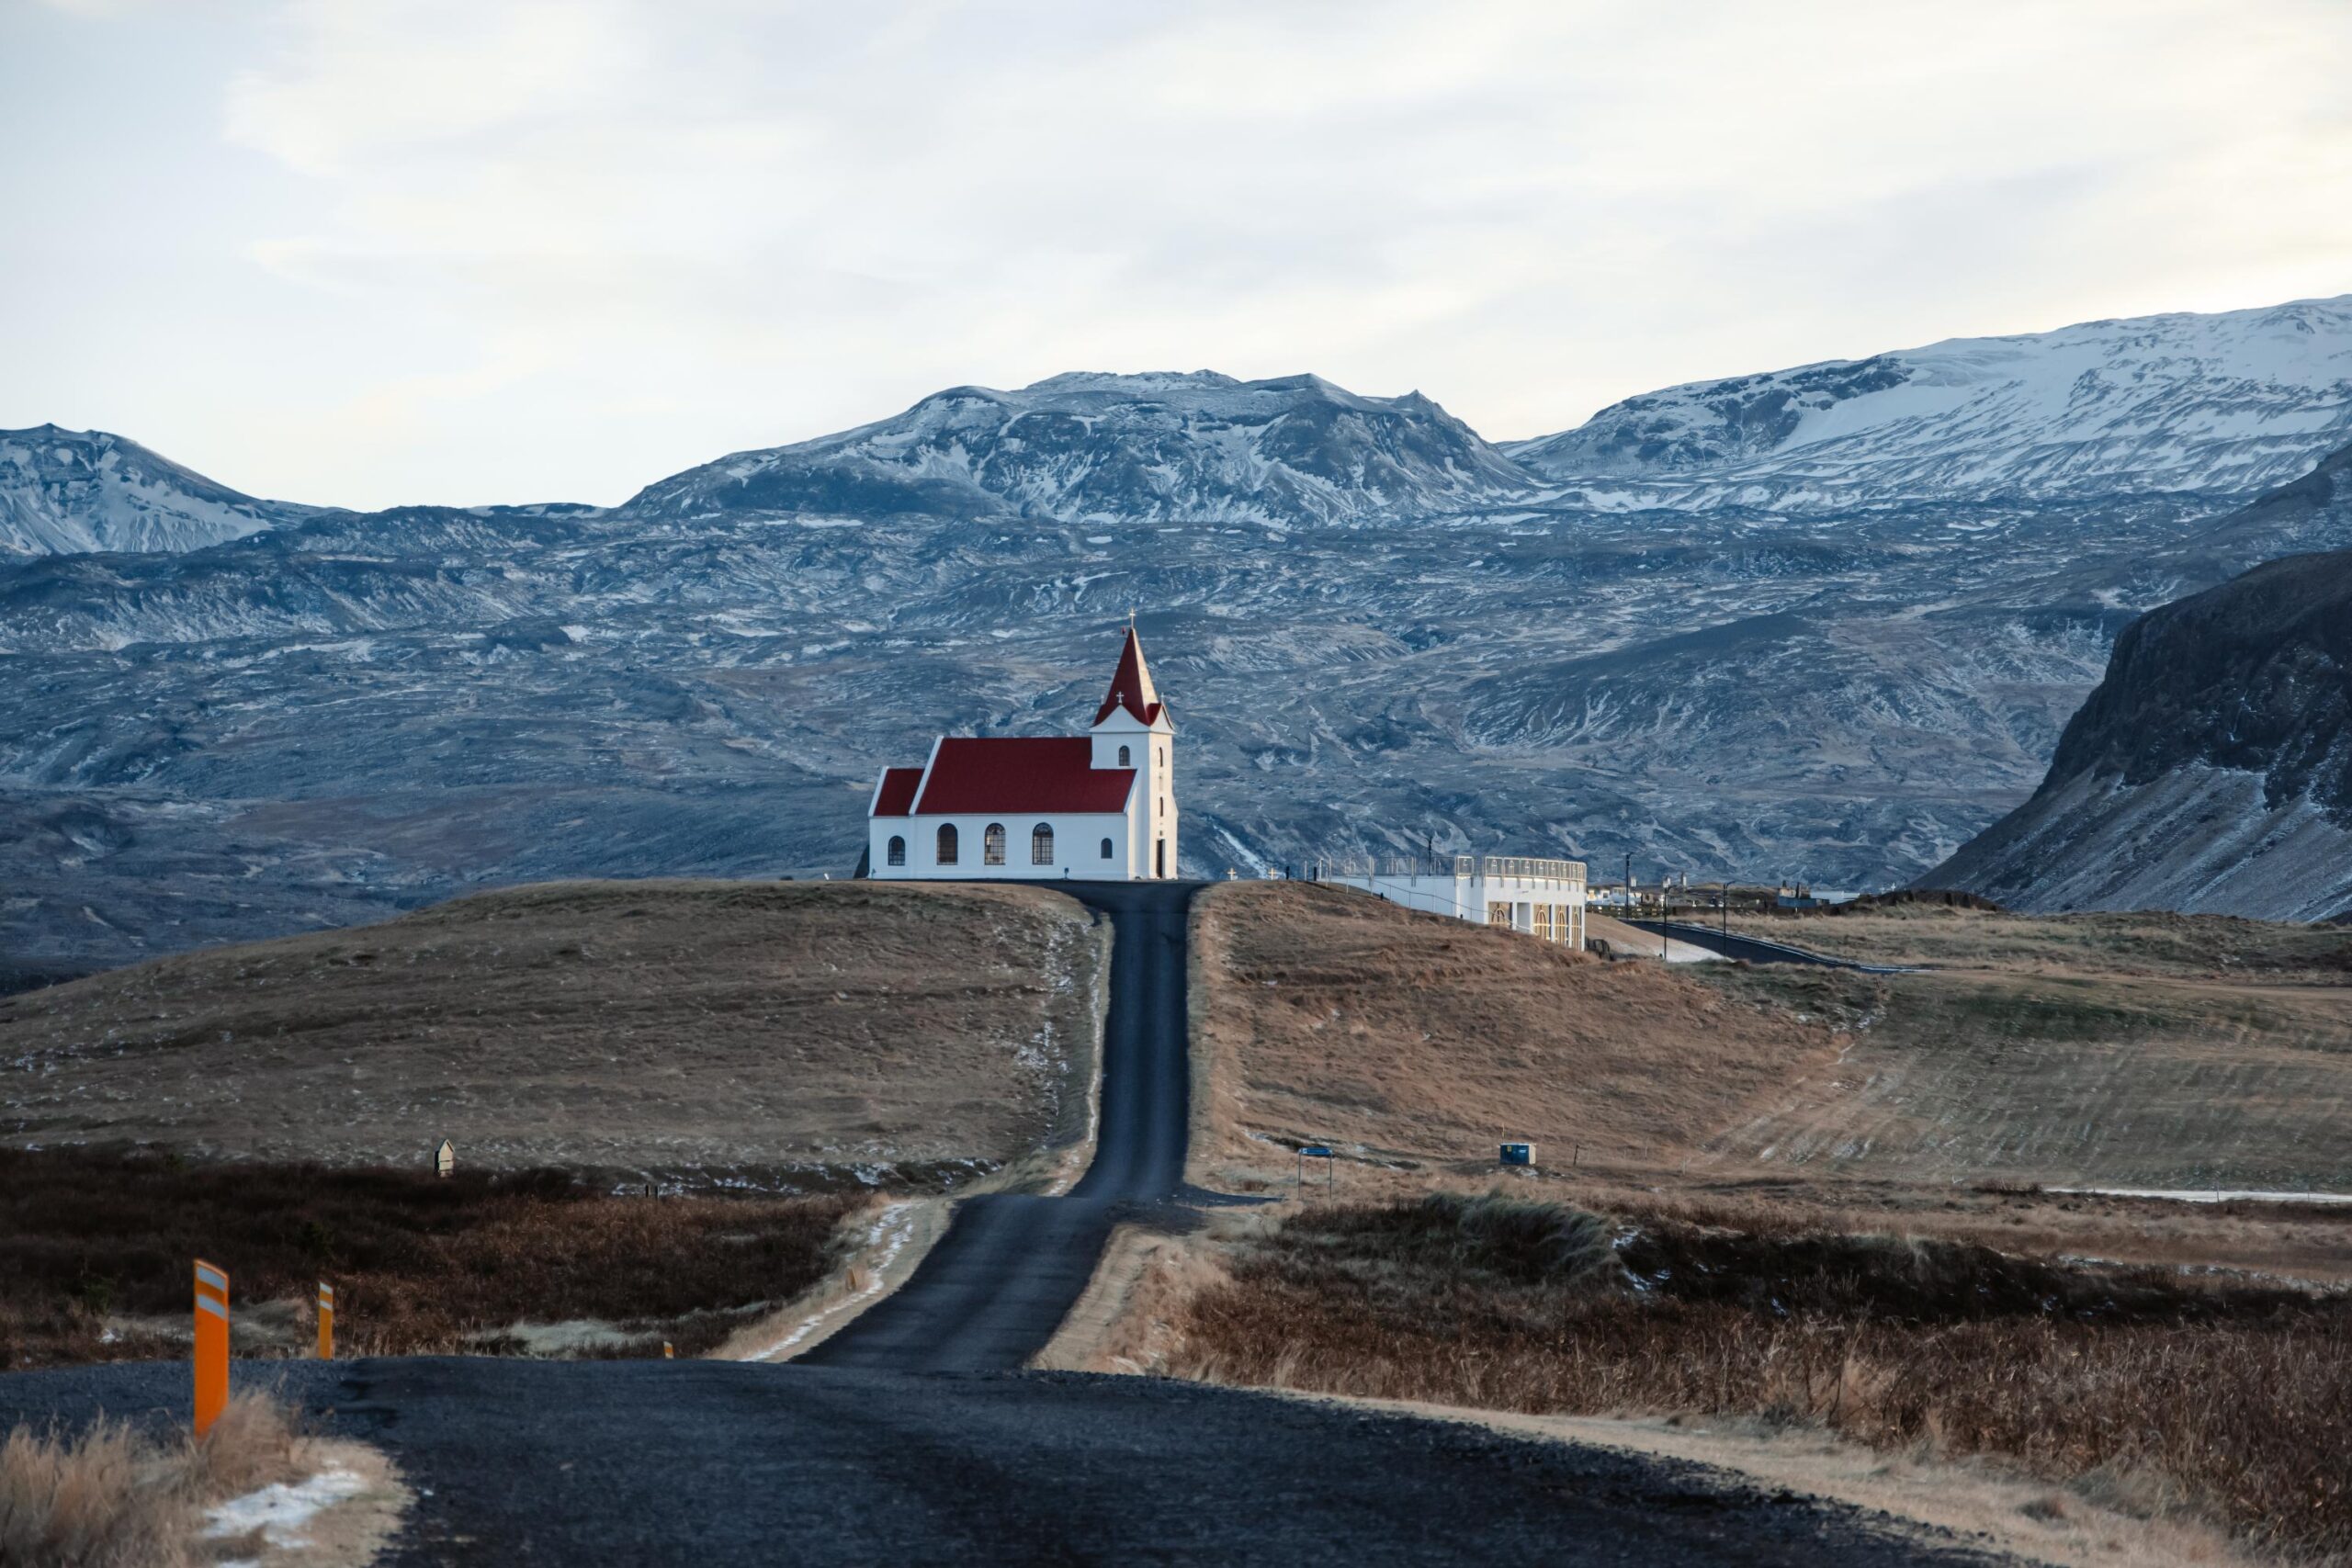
<point>1151,751</point>
<point>1076,851</point>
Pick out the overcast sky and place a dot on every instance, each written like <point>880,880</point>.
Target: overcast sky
<point>365,251</point>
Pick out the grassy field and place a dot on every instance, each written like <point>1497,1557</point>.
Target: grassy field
<point>1799,1195</point>
<point>790,1035</point>
<point>2060,1080</point>
<point>2155,944</point>
<point>2104,1057</point>
<point>97,1248</point>
<point>2229,1400</point>
<point>1417,1043</point>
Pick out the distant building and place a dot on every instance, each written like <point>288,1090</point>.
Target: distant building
<point>1545,898</point>
<point>1100,805</point>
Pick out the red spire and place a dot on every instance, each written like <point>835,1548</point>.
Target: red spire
<point>1131,686</point>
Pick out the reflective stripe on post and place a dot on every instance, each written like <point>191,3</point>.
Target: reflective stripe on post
<point>212,1344</point>
<point>326,1321</point>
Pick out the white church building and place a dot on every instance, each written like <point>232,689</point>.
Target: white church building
<point>1097,806</point>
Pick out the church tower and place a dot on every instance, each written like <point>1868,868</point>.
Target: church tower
<point>1132,729</point>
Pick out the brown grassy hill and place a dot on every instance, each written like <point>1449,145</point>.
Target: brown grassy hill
<point>1419,1041</point>
<point>2148,1050</point>
<point>2152,944</point>
<point>800,1033</point>
<point>2155,1051</point>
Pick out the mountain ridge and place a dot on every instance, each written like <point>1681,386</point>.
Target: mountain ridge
<point>66,491</point>
<point>1154,446</point>
<point>1379,636</point>
<point>2225,404</point>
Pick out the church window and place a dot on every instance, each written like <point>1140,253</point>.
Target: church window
<point>947,843</point>
<point>1106,849</point>
<point>1123,758</point>
<point>897,853</point>
<point>992,844</point>
<point>1041,845</point>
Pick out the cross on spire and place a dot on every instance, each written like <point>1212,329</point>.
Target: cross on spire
<point>1131,686</point>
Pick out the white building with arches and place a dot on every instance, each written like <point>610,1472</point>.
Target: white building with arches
<point>1097,806</point>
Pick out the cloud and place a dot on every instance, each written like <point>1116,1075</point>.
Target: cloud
<point>694,224</point>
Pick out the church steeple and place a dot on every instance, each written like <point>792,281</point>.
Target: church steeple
<point>1131,686</point>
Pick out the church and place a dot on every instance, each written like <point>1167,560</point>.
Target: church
<point>1097,806</point>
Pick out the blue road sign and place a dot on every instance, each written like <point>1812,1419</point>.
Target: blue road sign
<point>1315,1151</point>
<point>1517,1154</point>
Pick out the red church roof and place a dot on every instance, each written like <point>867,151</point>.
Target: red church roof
<point>1131,686</point>
<point>1022,773</point>
<point>896,796</point>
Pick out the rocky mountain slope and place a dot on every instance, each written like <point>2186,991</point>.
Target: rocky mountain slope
<point>66,491</point>
<point>1371,631</point>
<point>2217,405</point>
<point>1199,447</point>
<point>2210,771</point>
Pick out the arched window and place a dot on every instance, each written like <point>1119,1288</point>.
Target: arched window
<point>992,844</point>
<point>897,849</point>
<point>1106,849</point>
<point>1041,845</point>
<point>1123,758</point>
<point>947,843</point>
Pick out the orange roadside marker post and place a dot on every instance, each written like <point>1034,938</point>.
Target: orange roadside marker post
<point>326,1321</point>
<point>212,1344</point>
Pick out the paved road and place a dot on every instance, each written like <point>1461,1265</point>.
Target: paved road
<point>718,1464</point>
<point>997,1285</point>
<point>1756,950</point>
<point>903,1443</point>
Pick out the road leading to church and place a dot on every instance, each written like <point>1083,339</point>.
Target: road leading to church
<point>1000,1281</point>
<point>880,1458</point>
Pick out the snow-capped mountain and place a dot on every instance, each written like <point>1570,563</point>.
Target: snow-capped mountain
<point>2220,406</point>
<point>2210,771</point>
<point>1376,634</point>
<point>67,491</point>
<point>1197,446</point>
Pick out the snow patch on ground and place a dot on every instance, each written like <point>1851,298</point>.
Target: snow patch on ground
<point>281,1509</point>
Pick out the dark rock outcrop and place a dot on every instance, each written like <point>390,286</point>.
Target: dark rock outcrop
<point>2211,769</point>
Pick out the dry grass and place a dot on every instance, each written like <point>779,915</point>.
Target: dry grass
<point>97,1246</point>
<point>2184,947</point>
<point>1421,1043</point>
<point>2229,1400</point>
<point>117,1496</point>
<point>1417,1043</point>
<point>2061,1079</point>
<point>787,1030</point>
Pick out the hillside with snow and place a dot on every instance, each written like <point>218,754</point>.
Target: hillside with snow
<point>63,491</point>
<point>1197,446</point>
<point>2220,406</point>
<point>1379,634</point>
